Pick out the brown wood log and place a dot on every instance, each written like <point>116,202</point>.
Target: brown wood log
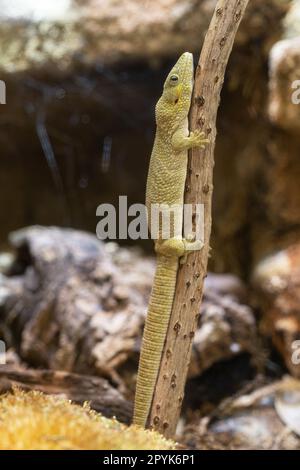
<point>101,396</point>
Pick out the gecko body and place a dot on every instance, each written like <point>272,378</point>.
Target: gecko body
<point>165,186</point>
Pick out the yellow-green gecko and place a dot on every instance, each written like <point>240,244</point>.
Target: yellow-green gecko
<point>165,185</point>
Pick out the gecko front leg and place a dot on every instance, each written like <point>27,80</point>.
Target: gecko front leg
<point>180,141</point>
<point>190,244</point>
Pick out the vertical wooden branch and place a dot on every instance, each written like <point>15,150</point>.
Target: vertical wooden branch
<point>169,391</point>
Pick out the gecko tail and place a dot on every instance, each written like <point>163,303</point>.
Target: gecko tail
<point>156,325</point>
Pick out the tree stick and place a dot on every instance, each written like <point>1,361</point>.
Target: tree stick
<point>169,391</point>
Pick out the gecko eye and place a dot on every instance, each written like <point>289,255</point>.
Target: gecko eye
<point>174,79</point>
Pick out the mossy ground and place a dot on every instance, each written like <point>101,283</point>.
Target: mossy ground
<point>36,421</point>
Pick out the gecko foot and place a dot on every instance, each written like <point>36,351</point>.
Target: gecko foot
<point>197,139</point>
<point>190,244</point>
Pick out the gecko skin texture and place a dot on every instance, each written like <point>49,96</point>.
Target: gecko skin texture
<point>165,185</point>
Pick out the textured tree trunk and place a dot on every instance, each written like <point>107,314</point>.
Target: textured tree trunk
<point>168,396</point>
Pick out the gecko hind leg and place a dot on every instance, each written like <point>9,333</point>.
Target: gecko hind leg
<point>170,247</point>
<point>190,245</point>
<point>178,247</point>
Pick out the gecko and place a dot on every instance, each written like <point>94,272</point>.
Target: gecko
<point>165,186</point>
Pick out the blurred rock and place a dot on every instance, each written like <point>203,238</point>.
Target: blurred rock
<point>73,32</point>
<point>292,20</point>
<point>70,314</point>
<point>105,31</point>
<point>226,325</point>
<point>287,405</point>
<point>76,304</point>
<point>248,421</point>
<point>277,283</point>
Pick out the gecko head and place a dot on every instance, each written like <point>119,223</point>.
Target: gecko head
<point>174,104</point>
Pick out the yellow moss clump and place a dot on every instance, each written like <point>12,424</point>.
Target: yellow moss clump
<point>36,421</point>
